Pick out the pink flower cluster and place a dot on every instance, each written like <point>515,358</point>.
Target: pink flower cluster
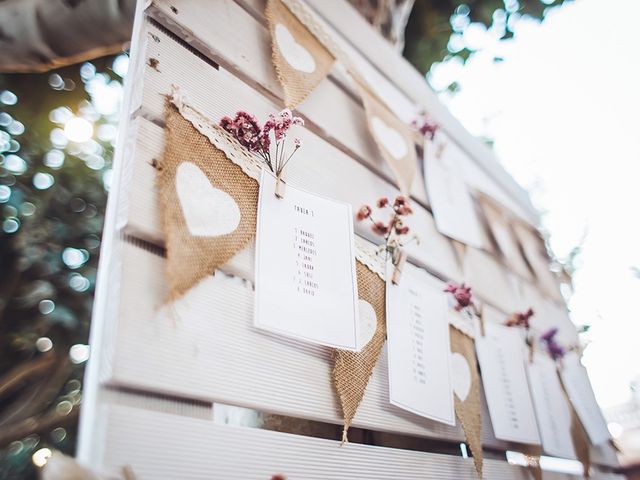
<point>461,293</point>
<point>246,129</point>
<point>400,208</point>
<point>520,319</point>
<point>425,126</point>
<point>553,347</point>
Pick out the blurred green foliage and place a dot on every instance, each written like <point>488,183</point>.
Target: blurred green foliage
<point>436,28</point>
<point>53,195</point>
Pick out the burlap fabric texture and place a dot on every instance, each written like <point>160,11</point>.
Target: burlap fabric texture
<point>190,258</point>
<point>297,84</point>
<point>387,130</point>
<point>352,370</point>
<point>468,411</point>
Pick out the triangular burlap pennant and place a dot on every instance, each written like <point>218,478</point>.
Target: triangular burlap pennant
<point>301,61</point>
<point>208,204</point>
<point>468,409</point>
<point>395,139</point>
<point>351,370</point>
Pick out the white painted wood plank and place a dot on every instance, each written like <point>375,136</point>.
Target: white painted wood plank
<point>162,446</point>
<point>319,166</point>
<point>234,39</point>
<point>213,353</point>
<point>489,279</point>
<point>366,43</point>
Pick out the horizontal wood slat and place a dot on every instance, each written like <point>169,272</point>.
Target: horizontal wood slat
<point>319,166</point>
<point>175,361</point>
<point>242,46</point>
<point>213,353</point>
<point>346,23</point>
<point>138,438</point>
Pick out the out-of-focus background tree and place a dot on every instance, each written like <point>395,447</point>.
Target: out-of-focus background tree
<point>57,132</point>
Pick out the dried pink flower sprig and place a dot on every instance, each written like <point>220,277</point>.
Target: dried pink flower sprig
<point>462,295</point>
<point>400,208</point>
<point>425,126</point>
<point>248,132</point>
<point>394,231</point>
<point>520,319</point>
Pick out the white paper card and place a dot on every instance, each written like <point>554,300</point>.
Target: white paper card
<point>576,382</point>
<point>453,208</point>
<point>501,353</point>
<point>552,408</point>
<point>305,267</point>
<point>418,346</point>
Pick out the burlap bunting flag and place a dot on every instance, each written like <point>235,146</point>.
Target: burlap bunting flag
<point>467,408</point>
<point>208,204</point>
<point>351,370</point>
<point>301,61</point>
<point>395,139</point>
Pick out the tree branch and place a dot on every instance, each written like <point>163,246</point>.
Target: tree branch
<point>22,372</point>
<point>39,424</point>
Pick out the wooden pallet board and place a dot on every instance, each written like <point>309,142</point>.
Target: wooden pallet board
<point>156,369</point>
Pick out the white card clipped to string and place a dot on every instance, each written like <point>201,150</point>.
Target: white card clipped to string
<point>576,382</point>
<point>418,346</point>
<point>453,208</point>
<point>552,409</point>
<point>306,284</point>
<point>501,354</point>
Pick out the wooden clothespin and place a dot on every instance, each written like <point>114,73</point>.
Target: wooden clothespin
<point>280,187</point>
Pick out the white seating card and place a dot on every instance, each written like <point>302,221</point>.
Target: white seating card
<point>305,267</point>
<point>453,208</point>
<point>552,407</point>
<point>501,353</point>
<point>576,382</point>
<point>418,346</point>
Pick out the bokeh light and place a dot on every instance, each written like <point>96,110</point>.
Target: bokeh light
<point>78,130</point>
<point>40,457</point>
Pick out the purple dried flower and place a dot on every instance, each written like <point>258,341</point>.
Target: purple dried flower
<point>554,348</point>
<point>549,334</point>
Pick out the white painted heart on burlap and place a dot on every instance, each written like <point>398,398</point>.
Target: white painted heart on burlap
<point>208,211</point>
<point>295,54</point>
<point>460,376</point>
<point>367,322</point>
<point>391,140</point>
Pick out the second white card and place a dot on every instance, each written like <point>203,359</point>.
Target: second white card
<point>418,346</point>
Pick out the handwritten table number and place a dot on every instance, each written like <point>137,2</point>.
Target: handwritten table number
<point>418,346</point>
<point>305,267</point>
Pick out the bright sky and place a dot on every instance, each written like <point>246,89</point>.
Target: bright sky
<point>563,111</point>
